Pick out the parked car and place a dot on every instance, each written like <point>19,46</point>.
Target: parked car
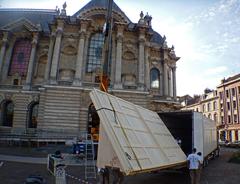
<point>35,179</point>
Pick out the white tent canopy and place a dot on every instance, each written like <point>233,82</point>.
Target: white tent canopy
<point>132,138</point>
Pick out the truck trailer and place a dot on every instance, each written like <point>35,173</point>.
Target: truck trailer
<point>193,130</point>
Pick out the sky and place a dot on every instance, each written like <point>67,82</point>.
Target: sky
<point>205,34</point>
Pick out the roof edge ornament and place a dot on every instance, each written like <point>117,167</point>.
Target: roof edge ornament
<point>63,10</point>
<point>145,20</point>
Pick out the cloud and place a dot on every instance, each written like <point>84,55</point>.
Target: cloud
<point>216,70</point>
<point>217,36</point>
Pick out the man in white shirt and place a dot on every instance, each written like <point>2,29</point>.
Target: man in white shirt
<point>193,165</point>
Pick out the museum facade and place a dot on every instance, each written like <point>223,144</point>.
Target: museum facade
<point>49,62</point>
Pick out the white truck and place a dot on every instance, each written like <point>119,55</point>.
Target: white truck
<point>193,130</point>
<point>135,140</point>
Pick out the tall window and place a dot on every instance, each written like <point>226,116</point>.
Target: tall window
<point>214,105</point>
<point>209,107</point>
<point>233,91</point>
<point>222,120</point>
<point>234,105</point>
<point>155,78</point>
<point>95,52</point>
<point>228,106</point>
<point>227,93</point>
<point>215,117</point>
<point>7,109</point>
<point>20,57</point>
<point>221,95</point>
<point>235,118</point>
<point>33,115</point>
<point>209,116</point>
<point>229,119</point>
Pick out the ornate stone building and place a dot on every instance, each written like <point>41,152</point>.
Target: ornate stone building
<point>206,103</point>
<point>229,110</point>
<point>49,62</point>
<point>221,105</point>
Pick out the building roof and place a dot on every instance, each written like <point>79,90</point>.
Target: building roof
<point>229,80</point>
<point>35,16</point>
<point>45,16</point>
<point>232,78</point>
<point>99,4</point>
<point>156,37</point>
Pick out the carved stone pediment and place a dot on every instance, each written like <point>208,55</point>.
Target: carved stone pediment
<point>90,14</point>
<point>21,24</point>
<point>69,50</point>
<point>128,55</point>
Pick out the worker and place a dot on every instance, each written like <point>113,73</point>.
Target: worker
<point>200,167</point>
<point>193,165</point>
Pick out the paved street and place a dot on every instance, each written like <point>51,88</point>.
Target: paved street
<point>219,171</point>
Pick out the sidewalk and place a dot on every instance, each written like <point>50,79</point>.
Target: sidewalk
<point>68,159</point>
<point>23,159</point>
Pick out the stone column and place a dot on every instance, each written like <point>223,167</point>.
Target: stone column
<point>165,78</point>
<point>31,63</point>
<point>174,83</point>
<point>56,54</point>
<point>113,61</point>
<point>147,68</point>
<point>118,68</point>
<point>49,61</point>
<point>3,50</point>
<point>79,63</point>
<point>85,54</point>
<point>141,58</point>
<point>7,59</point>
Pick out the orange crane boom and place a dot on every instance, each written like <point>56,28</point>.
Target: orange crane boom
<point>105,80</point>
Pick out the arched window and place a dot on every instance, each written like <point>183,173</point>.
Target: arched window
<point>209,116</point>
<point>93,122</point>
<point>154,78</point>
<point>215,117</point>
<point>33,114</point>
<point>93,119</point>
<point>20,57</point>
<point>95,52</point>
<point>7,110</point>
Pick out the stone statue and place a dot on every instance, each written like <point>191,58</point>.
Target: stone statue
<point>64,5</point>
<point>141,15</point>
<point>164,42</point>
<point>63,11</point>
<point>148,19</point>
<point>141,20</point>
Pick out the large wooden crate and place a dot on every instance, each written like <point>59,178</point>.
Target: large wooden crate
<point>132,138</point>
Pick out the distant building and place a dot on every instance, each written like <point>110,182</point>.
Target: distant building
<point>229,100</point>
<point>221,105</point>
<point>183,100</point>
<point>206,103</point>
